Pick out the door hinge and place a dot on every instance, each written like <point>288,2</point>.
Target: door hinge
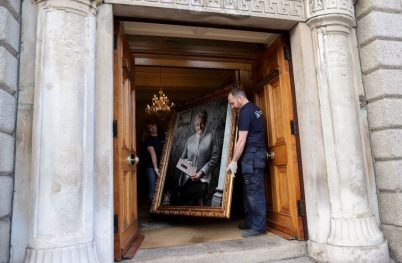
<point>114,41</point>
<point>301,207</point>
<point>286,52</point>
<point>293,127</point>
<point>116,223</point>
<point>114,128</point>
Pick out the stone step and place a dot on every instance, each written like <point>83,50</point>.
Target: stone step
<point>258,249</point>
<point>294,260</point>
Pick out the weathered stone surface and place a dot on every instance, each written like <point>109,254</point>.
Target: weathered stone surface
<point>260,249</point>
<point>383,82</point>
<point>385,113</point>
<point>379,25</point>
<point>9,30</point>
<point>12,5</point>
<point>311,134</point>
<point>365,6</point>
<point>5,235</point>
<point>390,208</point>
<point>22,195</point>
<point>389,175</point>
<point>6,190</point>
<point>386,144</point>
<point>381,53</point>
<point>63,144</point>
<point>7,112</point>
<point>28,45</point>
<point>394,236</point>
<point>8,70</point>
<point>6,153</point>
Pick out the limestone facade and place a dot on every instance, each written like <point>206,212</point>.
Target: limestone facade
<point>379,28</point>
<point>9,56</point>
<point>339,182</point>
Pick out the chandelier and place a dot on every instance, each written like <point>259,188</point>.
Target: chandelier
<point>160,102</point>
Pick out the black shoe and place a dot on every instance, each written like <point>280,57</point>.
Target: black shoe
<point>243,226</point>
<point>252,233</point>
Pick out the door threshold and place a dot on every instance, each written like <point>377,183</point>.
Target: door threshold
<point>257,249</point>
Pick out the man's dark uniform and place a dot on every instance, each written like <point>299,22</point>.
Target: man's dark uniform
<point>253,166</point>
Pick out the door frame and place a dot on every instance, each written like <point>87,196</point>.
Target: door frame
<point>242,68</point>
<point>101,96</point>
<point>244,71</point>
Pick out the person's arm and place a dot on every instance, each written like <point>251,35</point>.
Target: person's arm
<point>152,152</point>
<point>238,150</point>
<point>241,142</point>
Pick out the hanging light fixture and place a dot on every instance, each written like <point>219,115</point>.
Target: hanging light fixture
<point>160,102</point>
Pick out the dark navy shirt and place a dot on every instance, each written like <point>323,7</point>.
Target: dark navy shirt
<point>252,120</point>
<point>157,143</point>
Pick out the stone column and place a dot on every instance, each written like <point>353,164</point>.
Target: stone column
<point>63,134</point>
<point>354,234</point>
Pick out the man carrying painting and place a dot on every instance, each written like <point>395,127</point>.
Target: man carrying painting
<point>250,147</point>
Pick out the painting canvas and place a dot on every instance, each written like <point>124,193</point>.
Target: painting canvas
<point>198,147</point>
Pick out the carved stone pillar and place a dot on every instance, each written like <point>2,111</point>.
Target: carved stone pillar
<point>354,235</point>
<point>63,134</point>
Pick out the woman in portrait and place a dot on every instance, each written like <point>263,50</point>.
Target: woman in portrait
<point>201,152</point>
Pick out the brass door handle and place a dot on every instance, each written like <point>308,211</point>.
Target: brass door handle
<point>271,155</point>
<point>133,159</point>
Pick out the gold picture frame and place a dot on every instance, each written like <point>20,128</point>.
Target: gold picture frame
<point>218,198</point>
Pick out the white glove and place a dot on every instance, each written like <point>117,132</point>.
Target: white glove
<point>232,167</point>
<point>156,171</point>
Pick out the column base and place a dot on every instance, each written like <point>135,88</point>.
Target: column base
<point>82,253</point>
<point>330,253</point>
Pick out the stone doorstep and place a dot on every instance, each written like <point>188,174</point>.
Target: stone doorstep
<point>270,248</point>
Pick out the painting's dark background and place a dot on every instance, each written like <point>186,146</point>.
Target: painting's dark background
<point>216,110</point>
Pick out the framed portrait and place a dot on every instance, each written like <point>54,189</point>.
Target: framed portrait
<point>184,118</point>
<point>198,148</point>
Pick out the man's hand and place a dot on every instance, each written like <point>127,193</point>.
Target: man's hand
<point>232,167</point>
<point>156,171</point>
<point>197,176</point>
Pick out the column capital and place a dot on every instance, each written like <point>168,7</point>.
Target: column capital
<point>330,12</point>
<point>86,6</point>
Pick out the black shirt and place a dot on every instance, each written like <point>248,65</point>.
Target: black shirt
<point>252,120</point>
<point>157,143</point>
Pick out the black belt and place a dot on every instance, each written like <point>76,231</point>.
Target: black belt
<point>255,148</point>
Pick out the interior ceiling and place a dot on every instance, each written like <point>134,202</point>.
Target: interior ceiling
<point>180,84</point>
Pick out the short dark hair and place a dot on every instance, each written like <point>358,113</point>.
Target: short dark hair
<point>150,122</point>
<point>237,91</point>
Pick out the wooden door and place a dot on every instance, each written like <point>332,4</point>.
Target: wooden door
<point>126,230</point>
<point>283,185</point>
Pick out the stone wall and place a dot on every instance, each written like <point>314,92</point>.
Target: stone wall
<point>9,49</point>
<point>379,28</point>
